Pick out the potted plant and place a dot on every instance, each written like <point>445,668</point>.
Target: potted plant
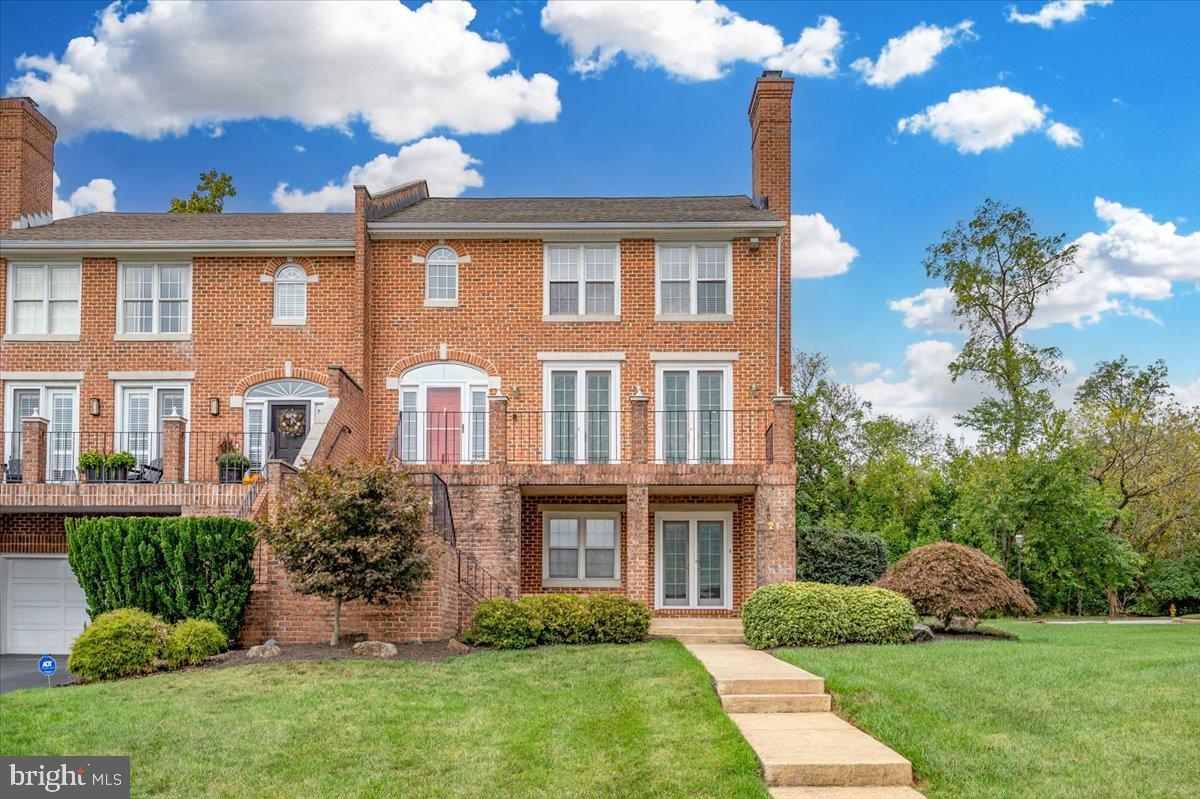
<point>118,464</point>
<point>231,467</point>
<point>91,466</point>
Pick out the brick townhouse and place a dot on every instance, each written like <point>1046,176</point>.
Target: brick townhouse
<point>592,390</point>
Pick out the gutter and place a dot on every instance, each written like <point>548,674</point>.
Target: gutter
<point>197,246</point>
<point>396,229</point>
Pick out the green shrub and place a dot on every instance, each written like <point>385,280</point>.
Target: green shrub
<point>91,459</point>
<point>190,641</point>
<point>119,643</point>
<point>617,619</point>
<point>842,557</point>
<point>563,618</point>
<point>504,624</point>
<point>175,567</point>
<point>877,616</point>
<point>120,460</point>
<point>795,614</point>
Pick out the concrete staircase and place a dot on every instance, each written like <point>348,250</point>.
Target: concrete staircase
<point>783,712</point>
<point>698,630</point>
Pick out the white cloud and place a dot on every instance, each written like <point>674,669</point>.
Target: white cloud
<point>974,120</point>
<point>1064,135</point>
<point>1188,395</point>
<point>439,160</point>
<point>1135,259</point>
<point>925,390</point>
<point>173,66</point>
<point>914,53</point>
<point>862,371</point>
<point>1055,12</point>
<point>689,40</point>
<point>817,247</point>
<point>98,194</point>
<point>298,148</point>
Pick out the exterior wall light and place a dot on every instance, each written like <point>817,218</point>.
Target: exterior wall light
<point>214,406</point>
<point>94,406</point>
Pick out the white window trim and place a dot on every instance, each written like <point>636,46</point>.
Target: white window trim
<point>9,317</point>
<point>458,262</point>
<point>581,367</point>
<point>466,450</point>
<point>692,367</point>
<point>183,335</point>
<point>581,582</point>
<point>581,294</point>
<point>693,516</point>
<point>693,316</point>
<point>10,424</point>
<point>289,321</point>
<point>121,415</point>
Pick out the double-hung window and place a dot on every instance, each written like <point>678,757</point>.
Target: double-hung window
<point>581,549</point>
<point>291,295</point>
<point>581,402</point>
<point>694,419</point>
<point>43,301</point>
<point>694,280</point>
<point>441,277</point>
<point>155,300</point>
<point>581,280</point>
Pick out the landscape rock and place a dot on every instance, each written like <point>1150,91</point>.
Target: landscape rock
<point>375,649</point>
<point>268,650</point>
<point>457,647</point>
<point>921,633</point>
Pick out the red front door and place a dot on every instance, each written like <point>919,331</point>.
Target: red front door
<point>443,425</point>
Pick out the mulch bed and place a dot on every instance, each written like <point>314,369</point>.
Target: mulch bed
<point>431,652</point>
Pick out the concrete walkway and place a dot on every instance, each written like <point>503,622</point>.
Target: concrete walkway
<point>784,714</point>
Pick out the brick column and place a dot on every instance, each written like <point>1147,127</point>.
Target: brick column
<point>33,449</point>
<point>783,427</point>
<point>639,583</point>
<point>639,429</point>
<point>498,428</point>
<point>174,448</point>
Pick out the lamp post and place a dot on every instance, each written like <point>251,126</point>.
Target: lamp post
<point>1020,539</point>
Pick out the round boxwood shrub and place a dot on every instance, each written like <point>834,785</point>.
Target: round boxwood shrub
<point>617,619</point>
<point>877,616</point>
<point>504,624</point>
<point>119,643</point>
<point>795,614</point>
<point>190,641</point>
<point>563,618</point>
<point>947,580</point>
<point>842,557</point>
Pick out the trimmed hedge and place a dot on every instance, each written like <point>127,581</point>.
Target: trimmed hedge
<point>558,619</point>
<point>817,614</point>
<point>174,567</point>
<point>841,557</point>
<point>119,643</point>
<point>190,641</point>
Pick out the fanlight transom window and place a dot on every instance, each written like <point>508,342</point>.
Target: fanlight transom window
<point>287,389</point>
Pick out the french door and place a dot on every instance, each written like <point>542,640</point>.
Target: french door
<point>694,560</point>
<point>143,409</point>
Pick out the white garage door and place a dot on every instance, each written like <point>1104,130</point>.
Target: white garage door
<point>44,607</point>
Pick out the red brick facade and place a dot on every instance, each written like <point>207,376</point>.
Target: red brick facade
<point>368,323</point>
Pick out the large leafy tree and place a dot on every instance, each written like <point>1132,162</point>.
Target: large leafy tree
<point>828,416</point>
<point>209,196</point>
<point>352,532</point>
<point>998,270</point>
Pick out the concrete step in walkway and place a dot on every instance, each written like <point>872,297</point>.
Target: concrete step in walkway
<point>697,630</point>
<point>806,751</point>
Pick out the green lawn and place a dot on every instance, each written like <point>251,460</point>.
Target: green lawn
<point>1088,711</point>
<point>597,721</point>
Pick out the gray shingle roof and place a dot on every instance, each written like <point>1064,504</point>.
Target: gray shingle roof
<point>534,210</point>
<point>116,226</point>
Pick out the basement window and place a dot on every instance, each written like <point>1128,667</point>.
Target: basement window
<point>581,550</point>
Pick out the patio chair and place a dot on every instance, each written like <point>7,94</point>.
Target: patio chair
<point>12,471</point>
<point>151,472</point>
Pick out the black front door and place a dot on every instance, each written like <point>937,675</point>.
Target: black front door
<point>289,426</point>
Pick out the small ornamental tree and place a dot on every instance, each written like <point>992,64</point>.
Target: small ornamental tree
<point>352,532</point>
<point>946,580</point>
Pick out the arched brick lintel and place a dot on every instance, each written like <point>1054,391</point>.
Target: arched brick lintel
<point>434,356</point>
<point>279,373</point>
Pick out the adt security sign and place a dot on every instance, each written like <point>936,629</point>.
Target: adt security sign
<point>47,666</point>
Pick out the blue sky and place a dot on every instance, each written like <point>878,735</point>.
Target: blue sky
<point>621,99</point>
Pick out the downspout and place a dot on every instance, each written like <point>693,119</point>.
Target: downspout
<point>778,305</point>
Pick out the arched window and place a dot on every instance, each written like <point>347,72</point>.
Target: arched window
<point>291,295</point>
<point>441,276</point>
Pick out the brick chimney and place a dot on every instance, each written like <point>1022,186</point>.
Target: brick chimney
<point>771,160</point>
<point>26,163</point>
